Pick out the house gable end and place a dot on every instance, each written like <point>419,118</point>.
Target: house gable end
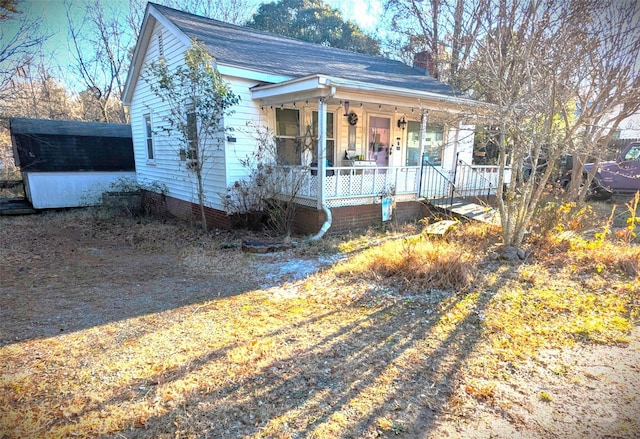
<point>151,18</point>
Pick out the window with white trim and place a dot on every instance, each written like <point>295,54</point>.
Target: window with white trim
<point>330,134</point>
<point>149,136</point>
<point>192,134</point>
<point>287,136</point>
<point>433,143</point>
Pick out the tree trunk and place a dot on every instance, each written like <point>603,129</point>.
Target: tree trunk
<point>203,215</point>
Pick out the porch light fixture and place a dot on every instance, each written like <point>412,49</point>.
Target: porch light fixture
<point>402,123</point>
<point>346,108</point>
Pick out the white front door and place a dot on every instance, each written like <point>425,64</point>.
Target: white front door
<point>379,140</point>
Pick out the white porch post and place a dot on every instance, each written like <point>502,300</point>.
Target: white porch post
<point>423,135</point>
<point>322,151</point>
<point>423,130</point>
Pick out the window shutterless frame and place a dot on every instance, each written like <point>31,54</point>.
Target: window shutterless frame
<point>287,136</point>
<point>149,137</point>
<point>330,136</point>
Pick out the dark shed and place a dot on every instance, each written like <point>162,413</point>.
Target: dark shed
<point>68,146</point>
<point>69,163</point>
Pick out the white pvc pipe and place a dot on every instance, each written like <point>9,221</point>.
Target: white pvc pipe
<point>325,226</point>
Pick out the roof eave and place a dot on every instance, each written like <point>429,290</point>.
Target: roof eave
<point>230,70</point>
<point>320,85</point>
<point>308,87</point>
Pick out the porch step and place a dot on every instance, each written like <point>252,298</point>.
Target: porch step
<point>467,209</point>
<point>15,206</point>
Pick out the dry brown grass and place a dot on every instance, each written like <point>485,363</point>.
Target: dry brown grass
<point>419,263</point>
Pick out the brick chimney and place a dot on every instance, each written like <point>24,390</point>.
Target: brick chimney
<point>423,61</point>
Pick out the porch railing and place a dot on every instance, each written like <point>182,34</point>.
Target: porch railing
<point>362,185</point>
<point>345,185</point>
<point>435,186</point>
<point>470,182</point>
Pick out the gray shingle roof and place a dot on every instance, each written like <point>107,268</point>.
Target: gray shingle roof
<point>270,53</point>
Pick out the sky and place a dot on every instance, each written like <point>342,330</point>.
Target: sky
<point>365,13</point>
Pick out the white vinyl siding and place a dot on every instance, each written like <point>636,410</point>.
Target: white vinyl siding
<point>223,166</point>
<point>166,167</point>
<point>246,121</point>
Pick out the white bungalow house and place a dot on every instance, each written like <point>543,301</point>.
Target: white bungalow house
<point>374,117</point>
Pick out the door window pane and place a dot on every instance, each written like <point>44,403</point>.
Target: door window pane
<point>379,135</point>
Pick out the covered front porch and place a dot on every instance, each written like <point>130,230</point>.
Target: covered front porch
<point>357,185</point>
<point>347,143</point>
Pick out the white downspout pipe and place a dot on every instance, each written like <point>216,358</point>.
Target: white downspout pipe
<point>322,166</point>
<point>325,226</point>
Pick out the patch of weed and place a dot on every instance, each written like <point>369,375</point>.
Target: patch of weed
<point>418,263</point>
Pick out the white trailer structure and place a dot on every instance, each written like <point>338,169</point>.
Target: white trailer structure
<point>70,163</point>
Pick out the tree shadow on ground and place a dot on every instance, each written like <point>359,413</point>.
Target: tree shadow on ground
<point>387,368</point>
<point>390,372</point>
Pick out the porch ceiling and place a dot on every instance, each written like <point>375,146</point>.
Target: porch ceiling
<point>371,96</point>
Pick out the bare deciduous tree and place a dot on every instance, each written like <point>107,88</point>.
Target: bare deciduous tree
<point>20,42</point>
<point>606,84</point>
<point>100,42</point>
<point>37,94</point>
<point>197,99</point>
<point>231,11</point>
<point>560,76</point>
<point>446,29</point>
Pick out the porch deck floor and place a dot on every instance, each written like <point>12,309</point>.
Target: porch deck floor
<point>468,209</point>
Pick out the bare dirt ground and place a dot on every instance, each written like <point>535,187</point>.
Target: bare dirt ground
<point>62,275</point>
<point>68,277</point>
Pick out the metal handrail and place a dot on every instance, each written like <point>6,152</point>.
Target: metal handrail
<point>472,180</point>
<point>435,185</point>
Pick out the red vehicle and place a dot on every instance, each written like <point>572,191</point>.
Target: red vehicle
<point>621,176</point>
